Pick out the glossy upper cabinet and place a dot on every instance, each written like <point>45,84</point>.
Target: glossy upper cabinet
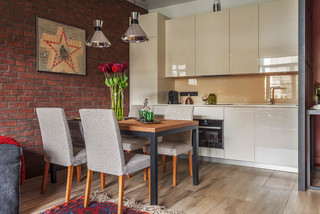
<point>276,136</point>
<point>244,40</point>
<point>180,47</point>
<point>212,43</point>
<point>278,36</point>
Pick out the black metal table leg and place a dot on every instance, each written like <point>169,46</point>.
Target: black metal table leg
<point>154,168</point>
<point>53,173</point>
<point>195,136</point>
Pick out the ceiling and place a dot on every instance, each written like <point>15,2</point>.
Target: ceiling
<point>153,4</point>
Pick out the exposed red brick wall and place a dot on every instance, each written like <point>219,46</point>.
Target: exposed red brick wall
<point>22,88</point>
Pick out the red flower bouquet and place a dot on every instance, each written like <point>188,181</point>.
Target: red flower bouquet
<point>116,80</point>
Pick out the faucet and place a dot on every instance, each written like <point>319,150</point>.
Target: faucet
<point>271,94</point>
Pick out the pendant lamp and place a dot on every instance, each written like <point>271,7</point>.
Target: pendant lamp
<point>134,34</point>
<point>98,39</point>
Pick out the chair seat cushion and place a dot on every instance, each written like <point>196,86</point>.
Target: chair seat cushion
<point>133,143</point>
<point>135,162</point>
<point>171,148</point>
<point>80,157</point>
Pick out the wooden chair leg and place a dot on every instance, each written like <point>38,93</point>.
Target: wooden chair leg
<point>149,185</point>
<point>69,183</point>
<point>145,177</point>
<point>79,173</point>
<point>88,188</point>
<point>103,180</point>
<point>174,158</point>
<point>190,163</point>
<point>45,177</point>
<point>121,191</point>
<point>164,167</point>
<point>129,176</point>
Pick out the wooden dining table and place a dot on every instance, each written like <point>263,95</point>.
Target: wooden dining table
<point>152,131</point>
<point>155,130</point>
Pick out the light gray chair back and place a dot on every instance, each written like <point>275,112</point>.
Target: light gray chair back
<point>177,112</point>
<point>56,139</point>
<point>103,141</point>
<point>134,110</point>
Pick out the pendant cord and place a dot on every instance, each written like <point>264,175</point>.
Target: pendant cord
<point>98,17</point>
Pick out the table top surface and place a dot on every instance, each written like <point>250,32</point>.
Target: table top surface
<point>134,125</point>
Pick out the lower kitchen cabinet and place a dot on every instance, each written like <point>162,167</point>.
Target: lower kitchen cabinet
<point>276,136</point>
<point>266,136</point>
<point>239,134</point>
<point>213,113</point>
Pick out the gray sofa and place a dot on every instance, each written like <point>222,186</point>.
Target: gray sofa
<point>10,169</point>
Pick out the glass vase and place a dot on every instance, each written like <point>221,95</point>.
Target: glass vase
<point>117,102</point>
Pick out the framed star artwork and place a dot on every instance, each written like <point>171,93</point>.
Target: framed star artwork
<point>61,48</point>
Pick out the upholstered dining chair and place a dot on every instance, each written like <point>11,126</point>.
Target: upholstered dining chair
<point>131,143</point>
<point>104,150</point>
<point>175,144</point>
<point>57,145</point>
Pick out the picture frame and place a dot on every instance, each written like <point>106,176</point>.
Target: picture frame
<point>60,48</point>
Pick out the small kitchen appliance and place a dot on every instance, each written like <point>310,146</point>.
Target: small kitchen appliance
<point>173,97</point>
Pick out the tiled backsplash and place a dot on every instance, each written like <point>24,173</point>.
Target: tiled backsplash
<point>242,88</point>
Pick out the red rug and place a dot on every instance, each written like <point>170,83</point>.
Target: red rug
<point>76,207</point>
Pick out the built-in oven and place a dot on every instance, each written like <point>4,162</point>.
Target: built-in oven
<point>211,133</point>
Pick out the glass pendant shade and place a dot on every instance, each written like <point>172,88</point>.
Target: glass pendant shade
<point>98,39</point>
<point>134,33</point>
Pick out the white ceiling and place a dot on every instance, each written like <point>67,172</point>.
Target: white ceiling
<point>153,4</point>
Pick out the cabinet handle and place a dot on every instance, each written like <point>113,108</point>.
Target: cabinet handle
<point>210,127</point>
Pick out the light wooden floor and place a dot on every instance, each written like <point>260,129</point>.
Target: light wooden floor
<point>223,189</point>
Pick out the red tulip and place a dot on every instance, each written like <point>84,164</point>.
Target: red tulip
<point>100,67</point>
<point>125,65</point>
<point>114,68</point>
<point>110,64</point>
<point>119,68</point>
<point>105,68</point>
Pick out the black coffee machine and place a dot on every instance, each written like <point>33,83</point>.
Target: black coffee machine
<point>173,97</point>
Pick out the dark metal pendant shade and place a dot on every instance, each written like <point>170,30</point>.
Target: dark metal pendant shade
<point>98,39</point>
<point>134,33</point>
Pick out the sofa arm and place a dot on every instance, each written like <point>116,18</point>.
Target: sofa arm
<point>10,170</point>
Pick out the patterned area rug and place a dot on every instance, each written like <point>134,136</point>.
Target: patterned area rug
<point>76,206</point>
<point>102,203</point>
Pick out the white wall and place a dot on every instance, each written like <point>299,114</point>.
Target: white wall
<point>201,6</point>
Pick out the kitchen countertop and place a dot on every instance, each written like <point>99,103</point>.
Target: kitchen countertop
<point>248,105</point>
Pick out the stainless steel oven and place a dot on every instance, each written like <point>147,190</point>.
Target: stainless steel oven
<point>211,133</point>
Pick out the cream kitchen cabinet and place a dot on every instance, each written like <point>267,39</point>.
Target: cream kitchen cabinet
<point>208,112</point>
<point>147,70</point>
<point>212,43</point>
<point>278,36</point>
<point>239,133</point>
<point>244,40</point>
<point>276,136</point>
<point>180,47</point>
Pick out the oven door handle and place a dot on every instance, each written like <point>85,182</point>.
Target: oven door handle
<point>210,127</point>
